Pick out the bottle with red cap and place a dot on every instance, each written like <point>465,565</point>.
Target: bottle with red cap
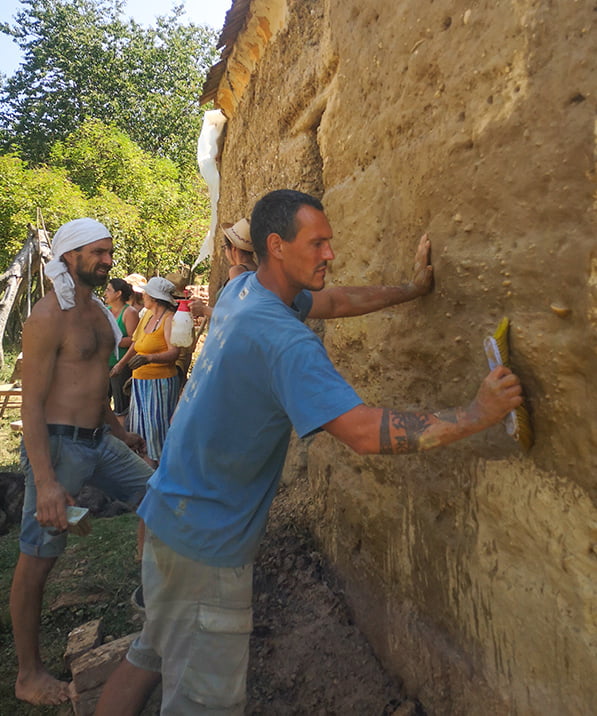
<point>182,325</point>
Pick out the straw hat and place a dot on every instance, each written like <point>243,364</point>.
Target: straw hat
<point>239,234</point>
<point>137,281</point>
<point>179,281</point>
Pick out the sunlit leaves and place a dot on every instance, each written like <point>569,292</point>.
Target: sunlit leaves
<point>85,59</point>
<point>157,213</point>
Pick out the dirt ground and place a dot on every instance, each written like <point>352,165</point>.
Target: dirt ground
<point>307,655</point>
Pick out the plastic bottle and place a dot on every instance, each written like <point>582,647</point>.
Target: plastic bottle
<point>182,326</point>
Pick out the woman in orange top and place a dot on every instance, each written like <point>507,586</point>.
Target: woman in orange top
<point>152,357</point>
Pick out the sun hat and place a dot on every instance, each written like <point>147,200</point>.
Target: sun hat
<point>179,281</point>
<point>239,234</point>
<point>161,289</point>
<point>137,281</point>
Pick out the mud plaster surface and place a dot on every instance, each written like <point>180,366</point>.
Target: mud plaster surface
<point>474,122</point>
<point>307,654</point>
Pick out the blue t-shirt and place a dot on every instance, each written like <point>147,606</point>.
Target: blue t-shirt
<point>261,372</point>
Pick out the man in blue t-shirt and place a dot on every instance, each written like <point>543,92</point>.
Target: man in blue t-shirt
<point>261,373</point>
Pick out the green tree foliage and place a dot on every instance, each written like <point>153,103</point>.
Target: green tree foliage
<point>84,59</point>
<point>22,190</point>
<point>158,214</point>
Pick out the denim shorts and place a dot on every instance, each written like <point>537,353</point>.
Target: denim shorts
<point>198,620</point>
<point>106,463</point>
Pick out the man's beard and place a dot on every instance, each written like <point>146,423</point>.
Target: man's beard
<point>89,278</point>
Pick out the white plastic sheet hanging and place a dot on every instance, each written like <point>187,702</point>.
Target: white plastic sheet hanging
<point>208,149</point>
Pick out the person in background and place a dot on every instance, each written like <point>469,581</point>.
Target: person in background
<point>238,249</point>
<point>137,282</point>
<point>262,372</point>
<point>152,358</point>
<point>116,297</point>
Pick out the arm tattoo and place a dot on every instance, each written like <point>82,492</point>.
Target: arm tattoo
<point>405,431</point>
<point>385,445</point>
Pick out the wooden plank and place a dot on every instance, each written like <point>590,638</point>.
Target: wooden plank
<point>82,639</point>
<point>93,667</point>
<point>11,397</point>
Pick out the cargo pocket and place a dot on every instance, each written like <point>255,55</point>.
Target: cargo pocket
<point>217,670</point>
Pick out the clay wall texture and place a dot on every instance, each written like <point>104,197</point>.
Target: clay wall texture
<point>471,569</point>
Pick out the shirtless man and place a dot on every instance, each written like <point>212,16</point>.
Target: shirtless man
<point>69,432</point>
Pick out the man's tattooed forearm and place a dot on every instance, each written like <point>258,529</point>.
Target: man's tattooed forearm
<point>385,444</point>
<point>400,432</point>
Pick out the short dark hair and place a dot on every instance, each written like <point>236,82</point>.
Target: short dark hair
<point>125,288</point>
<point>275,213</point>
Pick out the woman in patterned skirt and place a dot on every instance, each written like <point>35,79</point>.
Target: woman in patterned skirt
<point>152,358</point>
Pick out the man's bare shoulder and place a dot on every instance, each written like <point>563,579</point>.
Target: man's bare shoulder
<point>46,307</point>
<point>45,316</point>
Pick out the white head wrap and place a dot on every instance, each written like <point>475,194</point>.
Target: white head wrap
<point>69,236</point>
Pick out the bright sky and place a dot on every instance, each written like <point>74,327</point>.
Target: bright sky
<point>201,12</point>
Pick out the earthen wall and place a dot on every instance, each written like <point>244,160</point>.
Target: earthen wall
<point>472,569</point>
